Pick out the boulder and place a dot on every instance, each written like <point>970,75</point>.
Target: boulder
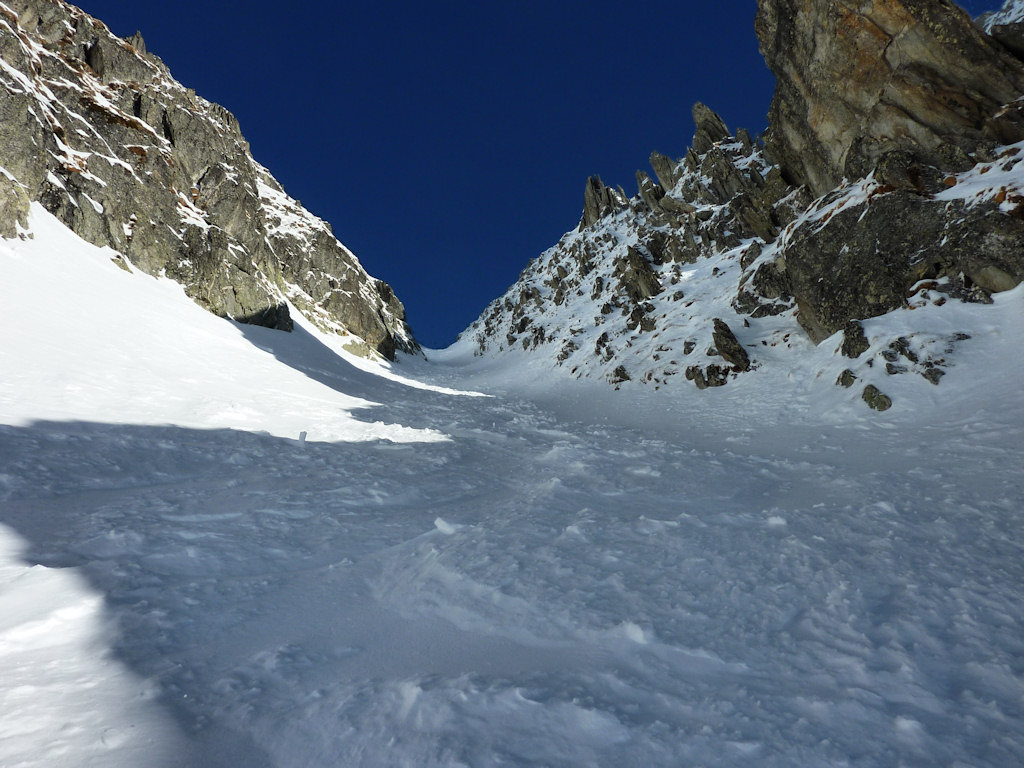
<point>846,378</point>
<point>855,342</point>
<point>729,347</point>
<point>875,398</point>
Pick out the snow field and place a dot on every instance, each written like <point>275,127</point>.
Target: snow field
<point>561,574</point>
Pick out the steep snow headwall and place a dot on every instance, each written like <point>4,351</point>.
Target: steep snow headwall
<point>96,129</point>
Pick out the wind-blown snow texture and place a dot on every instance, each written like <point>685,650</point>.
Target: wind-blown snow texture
<point>557,574</point>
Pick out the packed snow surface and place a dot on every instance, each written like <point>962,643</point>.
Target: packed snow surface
<point>223,545</point>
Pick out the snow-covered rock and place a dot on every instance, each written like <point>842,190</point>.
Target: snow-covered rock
<point>96,129</point>
<point>1007,26</point>
<point>744,247</point>
<point>1011,13</point>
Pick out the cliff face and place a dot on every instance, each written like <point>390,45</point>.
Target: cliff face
<point>891,178</point>
<point>858,79</point>
<point>95,128</point>
<point>899,97</point>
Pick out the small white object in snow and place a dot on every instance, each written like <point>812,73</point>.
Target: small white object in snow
<point>445,527</point>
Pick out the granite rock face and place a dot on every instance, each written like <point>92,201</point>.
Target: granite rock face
<point>95,129</point>
<point>900,98</point>
<point>877,247</point>
<point>857,79</point>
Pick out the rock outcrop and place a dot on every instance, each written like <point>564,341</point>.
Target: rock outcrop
<point>880,243</point>
<point>858,79</point>
<point>899,98</point>
<point>599,201</point>
<point>1007,26</point>
<point>892,177</point>
<point>95,129</point>
<point>627,295</point>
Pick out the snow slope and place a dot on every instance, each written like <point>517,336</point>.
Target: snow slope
<point>1011,13</point>
<point>111,342</point>
<point>560,574</point>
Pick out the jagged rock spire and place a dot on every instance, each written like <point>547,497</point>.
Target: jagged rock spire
<point>710,128</point>
<point>599,201</point>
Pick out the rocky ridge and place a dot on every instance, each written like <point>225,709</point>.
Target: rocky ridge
<point>743,250</point>
<point>95,129</point>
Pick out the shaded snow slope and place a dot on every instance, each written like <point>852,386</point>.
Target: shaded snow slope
<point>763,574</point>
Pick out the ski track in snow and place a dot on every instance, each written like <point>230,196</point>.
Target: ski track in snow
<point>589,578</point>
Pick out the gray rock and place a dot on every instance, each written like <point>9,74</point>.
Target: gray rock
<point>167,179</point>
<point>710,128</point>
<point>599,201</point>
<point>666,169</point>
<point>650,191</point>
<point>703,378</point>
<point>863,263</point>
<point>876,399</point>
<point>855,342</point>
<point>729,347</point>
<point>137,43</point>
<point>636,279</point>
<point>846,378</point>
<point>1010,35</point>
<point>14,207</point>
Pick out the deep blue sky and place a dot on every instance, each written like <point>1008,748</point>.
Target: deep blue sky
<point>449,142</point>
